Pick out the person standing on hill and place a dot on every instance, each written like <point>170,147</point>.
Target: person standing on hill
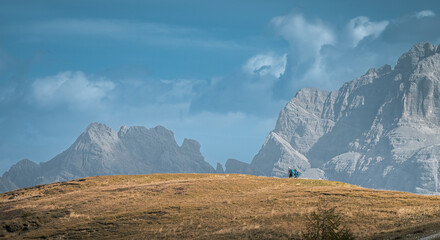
<point>295,173</point>
<point>290,173</point>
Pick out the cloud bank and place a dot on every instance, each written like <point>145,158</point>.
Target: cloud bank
<point>266,64</point>
<point>325,56</point>
<point>73,89</point>
<point>361,27</point>
<point>306,36</point>
<point>425,13</point>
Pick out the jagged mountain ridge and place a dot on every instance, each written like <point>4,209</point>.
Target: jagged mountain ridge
<point>380,131</point>
<point>101,151</point>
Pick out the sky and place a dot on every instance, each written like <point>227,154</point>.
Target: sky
<point>217,71</point>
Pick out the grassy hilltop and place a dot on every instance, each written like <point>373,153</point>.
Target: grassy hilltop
<point>207,206</point>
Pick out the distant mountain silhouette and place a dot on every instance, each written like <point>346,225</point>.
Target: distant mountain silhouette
<point>101,151</point>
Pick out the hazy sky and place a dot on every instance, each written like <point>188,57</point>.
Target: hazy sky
<point>215,71</point>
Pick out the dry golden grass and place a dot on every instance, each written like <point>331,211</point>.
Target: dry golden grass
<point>207,206</point>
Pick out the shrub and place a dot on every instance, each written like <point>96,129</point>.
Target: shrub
<point>325,224</point>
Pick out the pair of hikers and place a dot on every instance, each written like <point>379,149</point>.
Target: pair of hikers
<point>293,173</point>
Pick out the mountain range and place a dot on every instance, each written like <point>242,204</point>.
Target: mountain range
<point>101,151</point>
<point>381,130</point>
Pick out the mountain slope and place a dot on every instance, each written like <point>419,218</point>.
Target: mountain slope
<point>381,130</point>
<point>101,151</point>
<point>207,206</point>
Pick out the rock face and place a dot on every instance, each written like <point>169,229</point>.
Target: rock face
<point>101,151</point>
<point>219,168</point>
<point>235,166</point>
<point>380,131</point>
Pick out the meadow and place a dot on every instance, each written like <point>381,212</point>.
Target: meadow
<point>208,206</point>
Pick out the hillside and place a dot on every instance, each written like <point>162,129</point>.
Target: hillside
<point>206,206</point>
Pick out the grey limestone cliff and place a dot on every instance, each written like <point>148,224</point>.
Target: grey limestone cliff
<point>219,168</point>
<point>235,166</point>
<point>381,130</point>
<point>101,151</point>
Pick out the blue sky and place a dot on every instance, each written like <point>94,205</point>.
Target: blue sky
<point>215,71</point>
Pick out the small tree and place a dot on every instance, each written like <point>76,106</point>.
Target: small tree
<point>325,224</point>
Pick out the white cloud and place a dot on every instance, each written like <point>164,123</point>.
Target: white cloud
<point>308,37</point>
<point>361,27</point>
<point>266,64</point>
<point>321,56</point>
<point>425,13</point>
<point>70,88</point>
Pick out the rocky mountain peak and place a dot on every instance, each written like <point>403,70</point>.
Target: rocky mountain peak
<point>375,73</point>
<point>219,168</point>
<point>101,151</point>
<point>24,163</point>
<point>190,145</point>
<point>122,131</point>
<point>21,165</point>
<point>381,130</point>
<point>409,60</point>
<point>97,134</point>
<point>236,166</point>
<point>370,73</point>
<point>140,132</point>
<point>385,69</point>
<point>162,131</point>
<point>97,128</point>
<point>129,132</point>
<point>22,172</point>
